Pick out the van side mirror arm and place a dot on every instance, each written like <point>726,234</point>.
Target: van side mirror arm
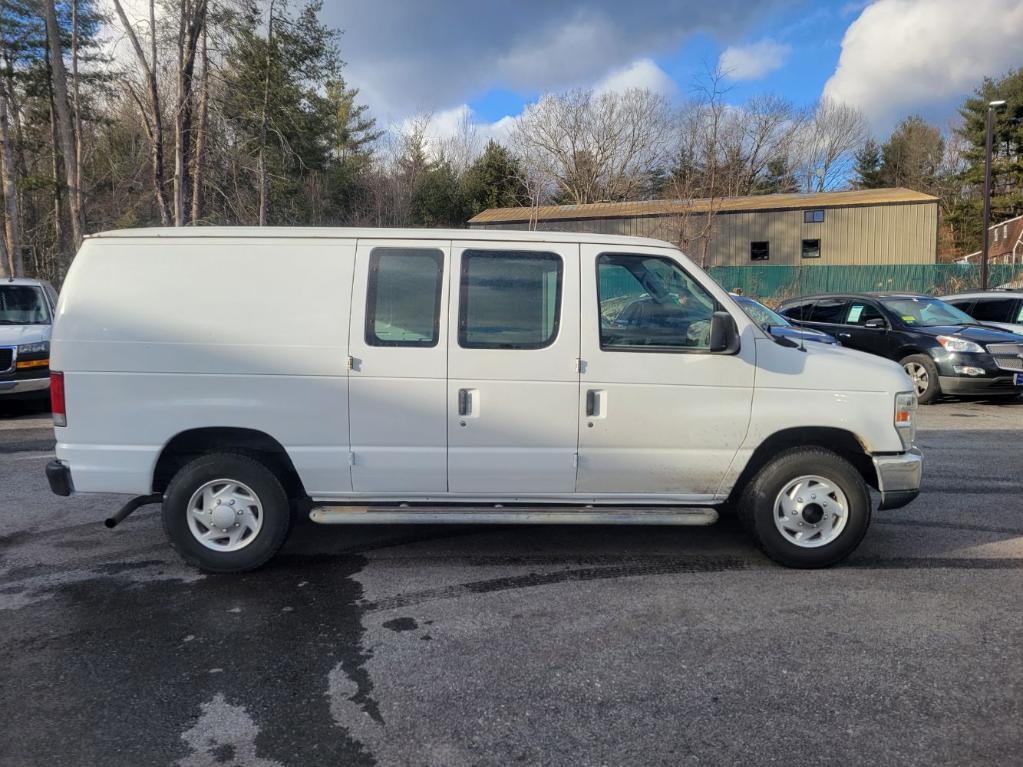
<point>724,334</point>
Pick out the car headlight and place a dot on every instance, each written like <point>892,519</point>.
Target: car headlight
<point>953,344</point>
<point>905,417</point>
<point>40,347</point>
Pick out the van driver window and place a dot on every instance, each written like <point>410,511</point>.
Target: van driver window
<point>649,303</point>
<point>509,299</point>
<point>403,300</point>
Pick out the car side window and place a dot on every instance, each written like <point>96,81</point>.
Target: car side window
<point>649,303</point>
<point>509,299</point>
<point>403,297</point>
<point>799,311</point>
<point>994,309</point>
<point>1019,313</point>
<point>831,311</point>
<point>861,312</point>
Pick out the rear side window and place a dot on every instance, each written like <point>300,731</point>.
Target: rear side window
<point>509,299</point>
<point>800,310</point>
<point>648,303</point>
<point>403,300</point>
<point>994,310</point>
<point>829,310</point>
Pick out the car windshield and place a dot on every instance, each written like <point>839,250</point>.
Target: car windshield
<point>927,312</point>
<point>23,305</point>
<point>760,314</point>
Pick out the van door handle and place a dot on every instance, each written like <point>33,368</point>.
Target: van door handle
<point>463,402</point>
<point>591,402</point>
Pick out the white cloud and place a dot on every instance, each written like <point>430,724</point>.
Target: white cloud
<point>905,56</point>
<point>409,57</point>
<point>753,61</point>
<point>639,74</point>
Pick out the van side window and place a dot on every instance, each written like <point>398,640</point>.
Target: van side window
<point>403,297</point>
<point>509,299</point>
<point>649,303</point>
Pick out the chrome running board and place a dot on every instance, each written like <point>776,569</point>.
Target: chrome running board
<point>497,515</point>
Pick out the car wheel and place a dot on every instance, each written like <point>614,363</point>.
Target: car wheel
<point>226,513</point>
<point>807,508</point>
<point>924,374</point>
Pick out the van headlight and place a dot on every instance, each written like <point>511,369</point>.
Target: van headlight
<point>39,347</point>
<point>905,417</point>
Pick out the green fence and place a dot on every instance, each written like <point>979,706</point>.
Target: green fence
<point>775,283</point>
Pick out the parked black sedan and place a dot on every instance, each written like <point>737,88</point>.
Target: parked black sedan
<point>944,350</point>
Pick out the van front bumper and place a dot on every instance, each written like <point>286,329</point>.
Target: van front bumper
<point>899,477</point>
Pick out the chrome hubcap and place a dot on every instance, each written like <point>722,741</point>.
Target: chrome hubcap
<point>811,511</point>
<point>919,375</point>
<point>225,515</point>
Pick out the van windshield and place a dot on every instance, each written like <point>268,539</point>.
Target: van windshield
<point>23,305</point>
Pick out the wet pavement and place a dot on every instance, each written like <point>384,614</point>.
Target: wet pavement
<point>494,646</point>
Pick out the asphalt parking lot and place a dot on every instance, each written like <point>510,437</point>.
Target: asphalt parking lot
<point>495,646</point>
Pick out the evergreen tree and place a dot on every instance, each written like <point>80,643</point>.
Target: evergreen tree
<point>867,167</point>
<point>912,156</point>
<point>493,181</point>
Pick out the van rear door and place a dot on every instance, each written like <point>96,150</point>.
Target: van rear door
<point>513,383</point>
<point>398,380</point>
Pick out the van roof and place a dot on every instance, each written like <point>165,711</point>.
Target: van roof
<point>290,232</point>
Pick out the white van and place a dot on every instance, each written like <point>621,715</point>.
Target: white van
<point>238,375</point>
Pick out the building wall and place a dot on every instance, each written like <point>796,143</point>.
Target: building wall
<point>876,234</point>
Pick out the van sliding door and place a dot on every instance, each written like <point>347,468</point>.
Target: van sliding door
<point>513,384</point>
<point>398,377</point>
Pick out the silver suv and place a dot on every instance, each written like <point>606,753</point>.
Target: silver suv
<point>1002,309</point>
<point>26,318</point>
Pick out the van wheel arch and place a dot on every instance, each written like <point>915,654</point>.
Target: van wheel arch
<point>845,443</point>
<point>192,443</point>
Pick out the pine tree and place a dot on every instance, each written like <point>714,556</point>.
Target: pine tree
<point>493,181</point>
<point>867,167</point>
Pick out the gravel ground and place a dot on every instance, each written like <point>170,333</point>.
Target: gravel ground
<point>494,646</point>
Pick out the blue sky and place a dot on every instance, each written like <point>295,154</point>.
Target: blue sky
<point>889,58</point>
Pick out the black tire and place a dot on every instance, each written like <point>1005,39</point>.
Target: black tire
<point>276,516</point>
<point>933,391</point>
<point>756,506</point>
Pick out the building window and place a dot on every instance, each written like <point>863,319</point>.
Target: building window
<point>509,299</point>
<point>403,300</point>
<point>813,216</point>
<point>759,251</point>
<point>811,249</point>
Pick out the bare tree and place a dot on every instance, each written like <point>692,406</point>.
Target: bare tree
<point>151,113</point>
<point>264,119</point>
<point>828,140</point>
<point>8,173</point>
<point>191,23</point>
<point>65,129</point>
<point>596,146</point>
<point>199,155</point>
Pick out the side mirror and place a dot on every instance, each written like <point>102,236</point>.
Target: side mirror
<point>724,333</point>
<point>876,324</point>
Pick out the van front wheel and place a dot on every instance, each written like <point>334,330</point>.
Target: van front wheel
<point>226,513</point>
<point>808,508</point>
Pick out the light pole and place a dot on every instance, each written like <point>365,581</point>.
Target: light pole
<point>989,129</point>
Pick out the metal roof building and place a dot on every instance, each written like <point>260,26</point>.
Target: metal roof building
<point>869,226</point>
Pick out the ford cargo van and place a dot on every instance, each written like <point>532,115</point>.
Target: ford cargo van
<point>240,376</point>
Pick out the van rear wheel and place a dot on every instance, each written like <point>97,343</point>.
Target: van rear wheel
<point>226,513</point>
<point>806,508</point>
